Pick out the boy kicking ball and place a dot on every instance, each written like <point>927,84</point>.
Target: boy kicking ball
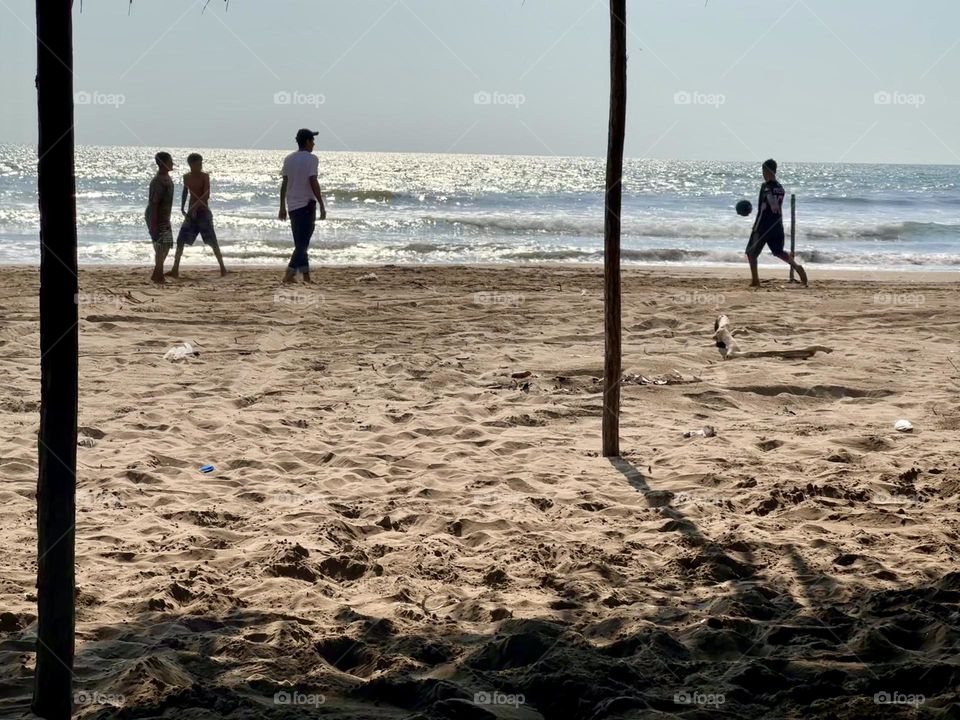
<point>768,227</point>
<point>198,220</point>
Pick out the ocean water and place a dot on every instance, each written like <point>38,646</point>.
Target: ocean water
<point>414,208</point>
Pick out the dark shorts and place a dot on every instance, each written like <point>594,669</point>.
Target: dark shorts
<point>771,237</point>
<point>200,223</point>
<point>162,238</point>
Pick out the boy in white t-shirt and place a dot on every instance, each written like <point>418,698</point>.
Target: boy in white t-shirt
<point>299,196</point>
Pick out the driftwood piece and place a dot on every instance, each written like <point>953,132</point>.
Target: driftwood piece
<point>730,348</point>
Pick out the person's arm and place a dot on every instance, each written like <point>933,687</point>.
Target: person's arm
<point>315,186</point>
<point>760,201</point>
<point>775,202</point>
<point>153,209</point>
<point>183,197</point>
<point>283,199</point>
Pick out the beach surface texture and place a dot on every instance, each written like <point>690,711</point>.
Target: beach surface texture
<point>408,516</point>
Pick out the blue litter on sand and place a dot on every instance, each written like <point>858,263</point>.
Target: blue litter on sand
<point>207,469</point>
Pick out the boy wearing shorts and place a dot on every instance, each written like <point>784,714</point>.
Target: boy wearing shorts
<point>197,220</point>
<point>157,215</point>
<point>768,227</point>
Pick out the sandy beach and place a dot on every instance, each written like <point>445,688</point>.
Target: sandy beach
<point>409,516</point>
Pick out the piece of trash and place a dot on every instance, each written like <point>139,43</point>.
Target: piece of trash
<point>705,431</point>
<point>521,374</point>
<point>207,469</point>
<point>180,352</point>
<point>724,338</point>
<point>87,442</point>
<point>903,426</point>
<point>369,277</point>
<point>671,378</point>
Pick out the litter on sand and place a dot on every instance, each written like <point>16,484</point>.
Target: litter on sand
<point>903,426</point>
<point>180,352</point>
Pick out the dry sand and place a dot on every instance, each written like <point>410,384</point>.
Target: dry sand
<point>396,524</point>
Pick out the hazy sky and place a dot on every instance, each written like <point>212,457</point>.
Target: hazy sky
<point>827,80</point>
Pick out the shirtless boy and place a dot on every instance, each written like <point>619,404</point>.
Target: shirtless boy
<point>197,220</point>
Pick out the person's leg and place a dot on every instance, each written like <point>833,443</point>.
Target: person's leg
<point>311,224</point>
<point>186,236</point>
<point>216,252</point>
<point>797,267</point>
<point>160,256</point>
<point>209,236</point>
<point>157,274</point>
<point>754,247</point>
<point>296,217</point>
<point>302,223</point>
<point>175,270</point>
<point>754,272</point>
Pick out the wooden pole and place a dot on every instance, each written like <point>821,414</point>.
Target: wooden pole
<point>612,369</point>
<point>793,230</point>
<point>57,449</point>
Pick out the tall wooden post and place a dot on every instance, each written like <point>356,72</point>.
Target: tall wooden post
<point>612,369</point>
<point>57,451</point>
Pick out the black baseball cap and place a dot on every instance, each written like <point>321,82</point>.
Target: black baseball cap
<point>303,135</point>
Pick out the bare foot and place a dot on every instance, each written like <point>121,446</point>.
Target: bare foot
<point>173,273</point>
<point>803,275</point>
<point>755,285</point>
<point>223,272</point>
<point>158,279</point>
